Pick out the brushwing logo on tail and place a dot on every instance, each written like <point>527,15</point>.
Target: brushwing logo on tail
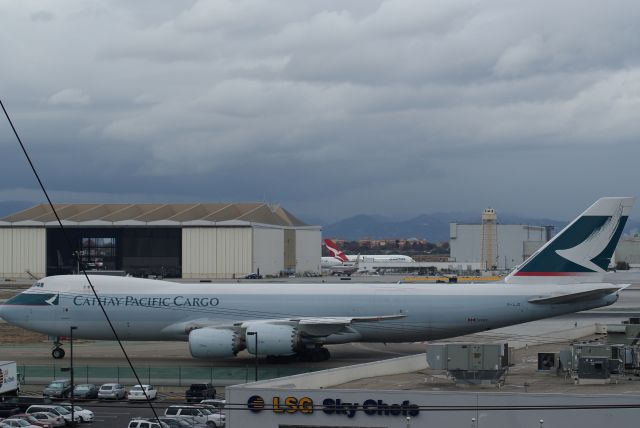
<point>584,247</point>
<point>584,253</point>
<point>335,251</point>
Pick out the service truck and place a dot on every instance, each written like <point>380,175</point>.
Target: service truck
<point>9,384</point>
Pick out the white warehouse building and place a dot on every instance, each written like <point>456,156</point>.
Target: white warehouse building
<point>191,241</point>
<point>510,245</point>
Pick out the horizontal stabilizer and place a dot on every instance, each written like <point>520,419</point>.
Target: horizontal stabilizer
<point>582,296</point>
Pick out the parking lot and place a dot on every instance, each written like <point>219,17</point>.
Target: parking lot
<point>118,413</point>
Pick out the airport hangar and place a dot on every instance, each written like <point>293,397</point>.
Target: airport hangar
<point>190,241</point>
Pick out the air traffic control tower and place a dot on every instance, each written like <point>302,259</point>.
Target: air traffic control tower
<point>489,239</point>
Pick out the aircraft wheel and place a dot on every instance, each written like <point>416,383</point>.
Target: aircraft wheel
<point>57,353</point>
<point>304,355</point>
<point>325,354</point>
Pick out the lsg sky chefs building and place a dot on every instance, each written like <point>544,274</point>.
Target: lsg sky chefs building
<point>191,241</point>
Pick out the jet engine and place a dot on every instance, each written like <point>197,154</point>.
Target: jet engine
<point>210,342</point>
<point>273,339</point>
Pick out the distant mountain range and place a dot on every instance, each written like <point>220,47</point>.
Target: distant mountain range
<point>432,227</point>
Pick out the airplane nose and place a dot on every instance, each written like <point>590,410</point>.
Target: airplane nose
<point>3,311</point>
<point>11,312</point>
<point>7,310</point>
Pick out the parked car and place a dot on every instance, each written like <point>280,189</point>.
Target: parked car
<point>56,410</point>
<point>137,392</point>
<point>196,413</point>
<point>86,415</point>
<point>59,388</point>
<point>85,391</point>
<point>48,418</point>
<point>200,391</point>
<point>22,403</point>
<point>15,422</point>
<point>253,275</point>
<point>34,421</point>
<point>146,423</point>
<point>181,423</point>
<point>218,403</point>
<point>113,391</point>
<point>8,409</point>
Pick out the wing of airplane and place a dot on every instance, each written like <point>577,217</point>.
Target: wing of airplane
<point>280,336</point>
<point>320,326</point>
<point>582,296</point>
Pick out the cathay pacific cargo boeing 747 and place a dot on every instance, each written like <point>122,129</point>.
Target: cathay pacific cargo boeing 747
<point>566,275</point>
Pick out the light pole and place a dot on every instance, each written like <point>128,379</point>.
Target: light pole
<point>255,333</point>
<point>73,421</point>
<point>78,255</point>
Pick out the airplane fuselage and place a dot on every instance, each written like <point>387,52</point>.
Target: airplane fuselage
<point>161,310</point>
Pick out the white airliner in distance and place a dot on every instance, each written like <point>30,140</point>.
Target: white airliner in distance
<point>341,264</point>
<point>338,263</point>
<point>338,254</point>
<point>219,320</point>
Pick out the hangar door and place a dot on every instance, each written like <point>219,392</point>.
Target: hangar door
<point>22,251</point>
<point>216,252</point>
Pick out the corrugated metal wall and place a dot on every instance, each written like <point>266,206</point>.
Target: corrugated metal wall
<point>22,250</point>
<point>466,243</point>
<point>216,252</point>
<point>308,250</point>
<point>290,251</point>
<point>268,250</point>
<point>628,250</point>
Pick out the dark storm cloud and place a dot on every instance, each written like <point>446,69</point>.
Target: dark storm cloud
<point>329,107</point>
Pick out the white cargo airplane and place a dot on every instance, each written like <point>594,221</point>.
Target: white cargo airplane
<point>565,276</point>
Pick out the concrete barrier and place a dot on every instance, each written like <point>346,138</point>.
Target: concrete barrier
<point>332,377</point>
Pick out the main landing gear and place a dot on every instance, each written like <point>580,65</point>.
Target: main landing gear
<point>58,352</point>
<point>316,354</point>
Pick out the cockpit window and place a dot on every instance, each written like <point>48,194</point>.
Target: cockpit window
<point>34,299</point>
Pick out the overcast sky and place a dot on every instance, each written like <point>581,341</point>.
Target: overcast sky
<point>329,108</point>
